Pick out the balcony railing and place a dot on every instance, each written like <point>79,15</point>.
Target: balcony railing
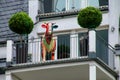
<point>30,51</point>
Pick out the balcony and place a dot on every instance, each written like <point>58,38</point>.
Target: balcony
<point>72,58</point>
<point>67,46</point>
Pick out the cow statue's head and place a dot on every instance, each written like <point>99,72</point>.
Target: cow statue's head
<point>49,30</point>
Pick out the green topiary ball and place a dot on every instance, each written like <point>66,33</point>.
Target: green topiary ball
<point>21,23</point>
<point>89,17</point>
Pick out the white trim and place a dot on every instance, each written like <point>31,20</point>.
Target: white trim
<point>106,72</point>
<point>92,72</point>
<point>77,30</point>
<point>9,50</point>
<point>73,45</point>
<point>92,64</point>
<point>49,66</point>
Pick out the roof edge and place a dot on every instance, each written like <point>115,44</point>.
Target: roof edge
<point>64,13</point>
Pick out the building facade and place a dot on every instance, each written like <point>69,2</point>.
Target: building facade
<point>7,9</point>
<point>76,55</point>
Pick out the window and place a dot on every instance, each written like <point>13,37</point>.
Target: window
<point>103,2</point>
<point>83,44</point>
<point>75,4</point>
<point>94,3</point>
<point>47,6</point>
<point>59,5</point>
<point>101,46</point>
<point>63,46</point>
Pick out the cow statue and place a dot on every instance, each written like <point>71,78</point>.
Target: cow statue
<point>48,43</point>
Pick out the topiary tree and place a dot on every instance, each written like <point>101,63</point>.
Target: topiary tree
<point>21,23</point>
<point>89,17</point>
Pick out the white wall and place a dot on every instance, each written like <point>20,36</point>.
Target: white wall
<point>33,9</point>
<point>114,13</point>
<point>2,76</point>
<point>2,52</point>
<point>63,24</point>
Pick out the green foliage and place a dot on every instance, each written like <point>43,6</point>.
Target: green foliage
<point>2,70</point>
<point>21,23</point>
<point>89,17</point>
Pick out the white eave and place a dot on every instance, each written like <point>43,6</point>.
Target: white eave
<point>62,69</point>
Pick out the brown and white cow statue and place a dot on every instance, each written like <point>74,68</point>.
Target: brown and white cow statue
<point>48,43</point>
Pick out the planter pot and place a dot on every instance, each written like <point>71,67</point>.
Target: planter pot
<point>21,53</point>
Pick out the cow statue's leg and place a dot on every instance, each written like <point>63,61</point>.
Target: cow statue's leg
<point>53,55</point>
<point>43,53</point>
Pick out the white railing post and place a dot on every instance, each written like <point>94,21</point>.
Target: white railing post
<point>36,52</point>
<point>39,50</point>
<point>92,43</point>
<point>8,76</point>
<point>73,45</point>
<point>9,51</point>
<point>56,48</point>
<point>92,72</point>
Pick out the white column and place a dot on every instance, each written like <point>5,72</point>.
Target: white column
<point>8,76</point>
<point>33,9</point>
<point>114,13</point>
<point>92,41</point>
<point>9,50</point>
<point>92,72</point>
<point>74,45</point>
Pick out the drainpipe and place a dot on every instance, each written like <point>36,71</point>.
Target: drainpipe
<point>117,59</point>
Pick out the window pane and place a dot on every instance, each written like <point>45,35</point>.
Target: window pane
<point>59,5</point>
<point>63,48</point>
<point>83,44</point>
<point>103,2</point>
<point>74,4</point>
<point>48,6</point>
<point>78,4</point>
<point>94,3</point>
<point>101,47</point>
